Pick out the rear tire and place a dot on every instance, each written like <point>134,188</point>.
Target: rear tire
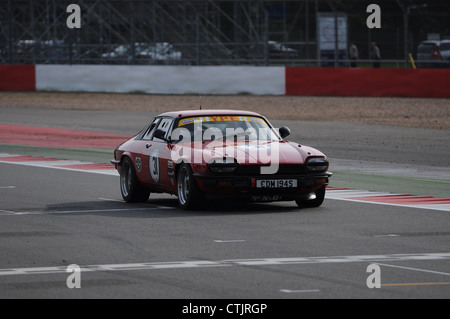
<point>188,192</point>
<point>320,196</point>
<point>132,191</point>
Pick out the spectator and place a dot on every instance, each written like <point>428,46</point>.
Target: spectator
<point>375,55</point>
<point>436,56</point>
<point>354,55</point>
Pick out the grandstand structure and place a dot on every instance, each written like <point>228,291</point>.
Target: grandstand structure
<point>188,32</point>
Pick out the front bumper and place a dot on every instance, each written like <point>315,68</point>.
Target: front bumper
<point>244,187</point>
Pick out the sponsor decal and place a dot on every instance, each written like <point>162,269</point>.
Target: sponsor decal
<point>201,119</point>
<point>138,163</point>
<point>266,198</point>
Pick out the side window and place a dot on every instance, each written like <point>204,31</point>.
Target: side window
<point>148,134</point>
<point>164,125</point>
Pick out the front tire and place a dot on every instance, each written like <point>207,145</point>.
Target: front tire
<point>188,192</point>
<point>316,202</point>
<point>130,188</point>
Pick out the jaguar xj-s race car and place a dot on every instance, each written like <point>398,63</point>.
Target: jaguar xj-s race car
<point>234,155</point>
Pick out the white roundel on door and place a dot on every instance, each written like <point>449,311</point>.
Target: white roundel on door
<point>153,165</point>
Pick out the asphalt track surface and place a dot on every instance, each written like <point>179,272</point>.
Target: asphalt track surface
<point>53,218</point>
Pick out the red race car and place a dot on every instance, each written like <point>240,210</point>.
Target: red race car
<point>219,154</point>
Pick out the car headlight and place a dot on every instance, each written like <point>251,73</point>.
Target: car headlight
<point>223,165</point>
<point>317,164</point>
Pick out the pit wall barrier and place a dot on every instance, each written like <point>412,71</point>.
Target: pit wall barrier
<point>253,80</point>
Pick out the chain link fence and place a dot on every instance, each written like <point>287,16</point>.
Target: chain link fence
<point>227,32</point>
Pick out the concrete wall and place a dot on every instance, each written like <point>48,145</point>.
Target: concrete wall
<point>161,79</point>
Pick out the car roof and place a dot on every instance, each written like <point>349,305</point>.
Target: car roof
<point>189,113</point>
<point>430,42</point>
<point>435,41</point>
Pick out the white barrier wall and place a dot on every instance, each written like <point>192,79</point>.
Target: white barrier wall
<point>162,79</point>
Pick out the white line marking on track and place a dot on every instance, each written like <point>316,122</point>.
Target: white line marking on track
<point>354,195</point>
<point>416,269</point>
<point>229,241</point>
<point>429,207</point>
<point>101,172</point>
<point>7,212</point>
<point>289,291</point>
<point>7,187</point>
<point>111,200</point>
<point>60,164</point>
<point>387,235</point>
<point>228,263</point>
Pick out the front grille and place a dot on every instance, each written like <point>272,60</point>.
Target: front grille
<point>283,169</point>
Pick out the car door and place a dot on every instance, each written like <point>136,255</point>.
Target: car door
<point>160,167</point>
<point>140,150</point>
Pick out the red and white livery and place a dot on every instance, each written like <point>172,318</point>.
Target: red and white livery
<point>217,154</point>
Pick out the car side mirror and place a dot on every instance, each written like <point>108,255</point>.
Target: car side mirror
<point>161,135</point>
<point>284,131</point>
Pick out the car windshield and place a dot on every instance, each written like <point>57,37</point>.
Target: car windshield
<point>425,48</point>
<point>229,128</point>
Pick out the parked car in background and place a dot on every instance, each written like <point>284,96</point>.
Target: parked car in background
<point>277,49</point>
<point>146,53</point>
<point>160,53</point>
<point>444,47</point>
<point>424,53</point>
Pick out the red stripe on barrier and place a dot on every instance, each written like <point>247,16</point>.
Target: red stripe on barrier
<point>17,78</point>
<point>368,82</point>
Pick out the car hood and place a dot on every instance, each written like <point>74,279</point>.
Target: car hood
<point>279,152</point>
